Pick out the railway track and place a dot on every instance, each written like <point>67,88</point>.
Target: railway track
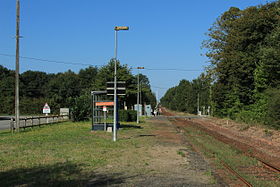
<point>242,179</point>
<point>228,168</point>
<point>268,165</point>
<point>267,170</point>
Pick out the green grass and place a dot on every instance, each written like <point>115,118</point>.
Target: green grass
<point>181,153</point>
<point>213,148</point>
<point>65,154</point>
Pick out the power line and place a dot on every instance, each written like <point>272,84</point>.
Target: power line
<point>85,64</point>
<point>159,87</point>
<point>46,60</point>
<point>169,69</point>
<point>63,89</point>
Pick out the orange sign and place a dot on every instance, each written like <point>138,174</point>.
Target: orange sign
<point>104,103</point>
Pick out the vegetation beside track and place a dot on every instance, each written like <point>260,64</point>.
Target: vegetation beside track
<point>220,152</point>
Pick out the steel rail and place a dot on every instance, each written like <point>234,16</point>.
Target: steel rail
<point>270,166</point>
<point>232,171</point>
<point>225,165</point>
<point>236,174</point>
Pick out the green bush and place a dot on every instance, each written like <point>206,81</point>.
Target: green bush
<point>81,108</point>
<point>273,108</point>
<point>132,115</point>
<point>123,115</point>
<point>127,115</point>
<point>246,116</point>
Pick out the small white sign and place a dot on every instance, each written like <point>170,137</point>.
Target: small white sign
<point>104,109</point>
<point>64,111</point>
<point>46,109</point>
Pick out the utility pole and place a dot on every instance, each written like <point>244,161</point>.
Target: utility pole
<point>157,98</point>
<point>17,67</point>
<point>138,107</point>
<point>138,92</point>
<point>198,112</point>
<point>210,102</point>
<point>140,97</point>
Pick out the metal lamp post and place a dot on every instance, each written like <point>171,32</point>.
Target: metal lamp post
<point>138,91</point>
<point>115,82</point>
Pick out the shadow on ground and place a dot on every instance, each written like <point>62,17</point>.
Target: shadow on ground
<point>60,174</point>
<point>4,132</point>
<point>131,126</point>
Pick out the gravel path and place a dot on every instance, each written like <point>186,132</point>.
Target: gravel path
<point>170,161</point>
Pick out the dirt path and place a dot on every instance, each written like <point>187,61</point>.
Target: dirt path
<point>168,161</point>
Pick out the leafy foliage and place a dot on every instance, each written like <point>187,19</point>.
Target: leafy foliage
<point>243,77</point>
<point>243,49</point>
<point>127,115</point>
<point>184,97</point>
<point>273,109</point>
<point>68,89</point>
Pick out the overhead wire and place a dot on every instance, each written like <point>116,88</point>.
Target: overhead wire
<point>87,64</point>
<point>53,61</point>
<point>170,69</point>
<point>159,87</point>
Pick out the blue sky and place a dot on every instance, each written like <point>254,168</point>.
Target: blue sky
<point>163,34</point>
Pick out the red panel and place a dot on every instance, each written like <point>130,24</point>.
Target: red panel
<point>104,103</point>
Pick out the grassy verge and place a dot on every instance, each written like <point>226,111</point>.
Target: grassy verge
<point>213,148</point>
<point>67,154</point>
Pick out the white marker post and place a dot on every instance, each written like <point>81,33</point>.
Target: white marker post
<point>105,123</point>
<point>47,110</point>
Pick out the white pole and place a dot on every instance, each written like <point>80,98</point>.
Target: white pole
<point>115,90</point>
<point>115,82</point>
<point>105,125</point>
<point>138,107</point>
<point>198,112</point>
<point>47,119</point>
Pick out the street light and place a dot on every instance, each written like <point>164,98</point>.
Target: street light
<point>115,81</point>
<point>121,28</point>
<point>138,107</point>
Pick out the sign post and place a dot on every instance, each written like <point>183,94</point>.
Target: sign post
<point>46,110</point>
<point>116,89</point>
<point>120,88</point>
<point>105,123</point>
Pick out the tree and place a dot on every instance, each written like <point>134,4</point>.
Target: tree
<point>33,84</point>
<point>184,97</point>
<point>64,86</point>
<point>69,89</point>
<point>7,90</point>
<point>243,49</point>
<point>106,74</point>
<point>88,77</point>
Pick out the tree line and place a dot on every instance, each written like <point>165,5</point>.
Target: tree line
<point>68,89</point>
<point>244,51</point>
<point>189,96</point>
